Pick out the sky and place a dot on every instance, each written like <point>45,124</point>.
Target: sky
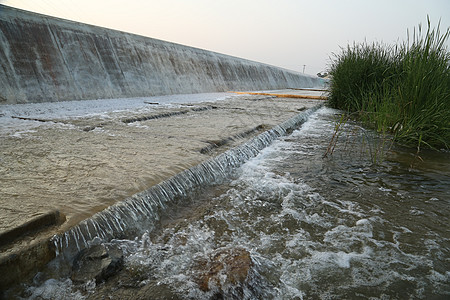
<point>294,34</point>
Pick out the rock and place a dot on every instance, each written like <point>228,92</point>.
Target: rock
<point>225,266</point>
<point>96,262</point>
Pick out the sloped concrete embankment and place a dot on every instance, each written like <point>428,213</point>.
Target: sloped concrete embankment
<point>49,59</point>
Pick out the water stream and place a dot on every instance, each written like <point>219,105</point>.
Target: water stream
<point>339,227</point>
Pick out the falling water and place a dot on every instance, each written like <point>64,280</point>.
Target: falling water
<point>139,212</point>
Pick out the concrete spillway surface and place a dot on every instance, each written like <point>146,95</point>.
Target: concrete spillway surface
<point>47,59</point>
<point>83,156</point>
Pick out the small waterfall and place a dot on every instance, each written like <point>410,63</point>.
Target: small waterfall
<point>139,212</point>
<point>168,114</point>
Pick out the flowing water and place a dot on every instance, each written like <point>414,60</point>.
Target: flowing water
<point>339,227</point>
<point>80,157</point>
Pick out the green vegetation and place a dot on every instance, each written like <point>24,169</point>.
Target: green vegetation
<point>401,89</point>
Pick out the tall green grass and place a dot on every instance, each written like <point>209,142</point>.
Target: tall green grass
<point>402,89</point>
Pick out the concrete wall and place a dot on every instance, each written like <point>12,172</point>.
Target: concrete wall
<point>48,59</point>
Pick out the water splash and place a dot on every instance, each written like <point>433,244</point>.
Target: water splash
<point>138,213</point>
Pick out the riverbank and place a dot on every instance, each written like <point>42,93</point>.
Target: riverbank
<point>401,90</point>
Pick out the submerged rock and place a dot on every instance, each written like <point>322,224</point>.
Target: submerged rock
<point>225,267</point>
<point>96,262</point>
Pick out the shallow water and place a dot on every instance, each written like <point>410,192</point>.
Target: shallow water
<point>338,227</point>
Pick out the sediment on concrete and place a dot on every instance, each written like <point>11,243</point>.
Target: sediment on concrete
<point>44,59</point>
<point>34,225</point>
<point>20,264</point>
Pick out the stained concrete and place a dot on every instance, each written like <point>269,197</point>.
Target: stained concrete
<point>45,59</point>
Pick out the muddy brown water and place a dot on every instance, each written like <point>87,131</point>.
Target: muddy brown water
<point>84,163</point>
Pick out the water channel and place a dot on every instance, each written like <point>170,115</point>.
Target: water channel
<point>315,227</point>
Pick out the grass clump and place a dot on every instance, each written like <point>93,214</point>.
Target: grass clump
<point>401,89</point>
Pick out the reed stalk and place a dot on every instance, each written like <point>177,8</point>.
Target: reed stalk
<point>403,90</point>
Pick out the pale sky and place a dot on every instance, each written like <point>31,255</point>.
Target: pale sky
<point>283,33</point>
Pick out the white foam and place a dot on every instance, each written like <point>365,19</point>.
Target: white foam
<point>56,289</point>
